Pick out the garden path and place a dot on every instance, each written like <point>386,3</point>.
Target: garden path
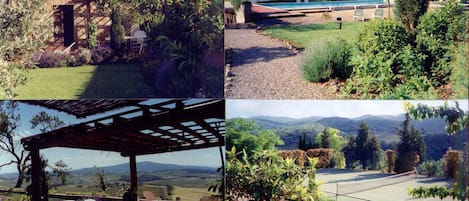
<point>265,68</point>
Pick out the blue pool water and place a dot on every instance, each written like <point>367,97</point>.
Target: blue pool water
<point>321,4</point>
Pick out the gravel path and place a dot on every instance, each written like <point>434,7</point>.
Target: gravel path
<point>264,68</point>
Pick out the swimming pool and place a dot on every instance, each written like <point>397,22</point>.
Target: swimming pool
<point>321,4</point>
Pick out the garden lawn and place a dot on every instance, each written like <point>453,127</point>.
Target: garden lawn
<point>302,35</point>
<point>103,81</point>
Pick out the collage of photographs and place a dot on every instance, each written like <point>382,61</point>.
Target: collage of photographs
<point>234,100</point>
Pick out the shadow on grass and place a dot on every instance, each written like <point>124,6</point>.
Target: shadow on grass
<point>259,54</point>
<point>273,22</point>
<point>117,81</point>
<point>333,26</point>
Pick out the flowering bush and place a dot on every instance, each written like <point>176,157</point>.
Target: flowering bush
<point>83,57</point>
<point>47,59</point>
<point>101,54</point>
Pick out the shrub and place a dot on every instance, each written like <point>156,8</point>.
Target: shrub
<point>390,158</point>
<point>266,176</point>
<point>117,34</point>
<point>325,59</point>
<point>48,59</point>
<point>101,54</point>
<point>452,162</point>
<point>83,57</point>
<point>383,35</point>
<point>92,33</point>
<point>388,66</point>
<point>299,156</point>
<point>325,157</point>
<point>67,60</point>
<point>431,168</point>
<point>439,33</point>
<point>338,159</point>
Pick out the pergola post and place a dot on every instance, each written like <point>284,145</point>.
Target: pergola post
<point>133,178</point>
<point>36,175</point>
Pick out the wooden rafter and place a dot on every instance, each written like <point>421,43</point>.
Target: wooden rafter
<point>137,134</point>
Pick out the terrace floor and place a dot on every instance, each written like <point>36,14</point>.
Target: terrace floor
<point>393,192</point>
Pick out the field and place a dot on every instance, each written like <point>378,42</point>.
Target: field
<point>106,81</point>
<point>166,184</point>
<point>391,192</point>
<point>302,35</point>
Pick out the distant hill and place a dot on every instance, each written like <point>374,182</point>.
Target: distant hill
<point>147,166</point>
<point>384,126</point>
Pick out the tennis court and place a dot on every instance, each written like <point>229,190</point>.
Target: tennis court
<point>372,185</point>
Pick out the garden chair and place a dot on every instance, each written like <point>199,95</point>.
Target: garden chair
<point>358,15</point>
<point>378,14</point>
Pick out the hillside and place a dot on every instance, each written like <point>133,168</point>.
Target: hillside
<point>384,126</point>
<point>146,166</point>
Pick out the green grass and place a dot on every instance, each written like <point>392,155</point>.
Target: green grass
<point>186,193</point>
<point>106,81</point>
<point>302,35</point>
<point>459,74</point>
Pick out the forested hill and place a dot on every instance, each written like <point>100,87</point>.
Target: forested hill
<point>290,129</point>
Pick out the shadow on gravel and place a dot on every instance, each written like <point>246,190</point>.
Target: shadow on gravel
<point>258,54</point>
<point>273,22</point>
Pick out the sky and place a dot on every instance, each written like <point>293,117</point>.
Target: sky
<point>79,158</point>
<point>325,108</point>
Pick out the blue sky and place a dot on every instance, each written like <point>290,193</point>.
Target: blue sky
<point>79,158</point>
<point>326,108</point>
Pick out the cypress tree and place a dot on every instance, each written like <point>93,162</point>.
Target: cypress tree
<point>411,148</point>
<point>362,141</point>
<point>409,12</point>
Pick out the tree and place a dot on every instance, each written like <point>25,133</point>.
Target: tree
<point>410,149</point>
<point>376,153</point>
<point>101,179</point>
<point>9,134</point>
<point>326,139</point>
<point>362,141</point>
<point>117,33</point>
<point>330,138</point>
<point>25,28</point>
<point>456,120</point>
<point>409,12</point>
<point>45,122</point>
<point>61,171</point>
<point>302,142</point>
<point>245,135</point>
<point>350,153</point>
<point>363,149</point>
<point>9,123</point>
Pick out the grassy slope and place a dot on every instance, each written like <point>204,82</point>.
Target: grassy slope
<point>190,193</point>
<point>302,35</point>
<point>107,81</point>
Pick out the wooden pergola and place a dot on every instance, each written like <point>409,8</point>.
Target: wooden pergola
<point>137,127</point>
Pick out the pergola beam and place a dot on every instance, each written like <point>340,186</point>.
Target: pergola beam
<point>132,135</point>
